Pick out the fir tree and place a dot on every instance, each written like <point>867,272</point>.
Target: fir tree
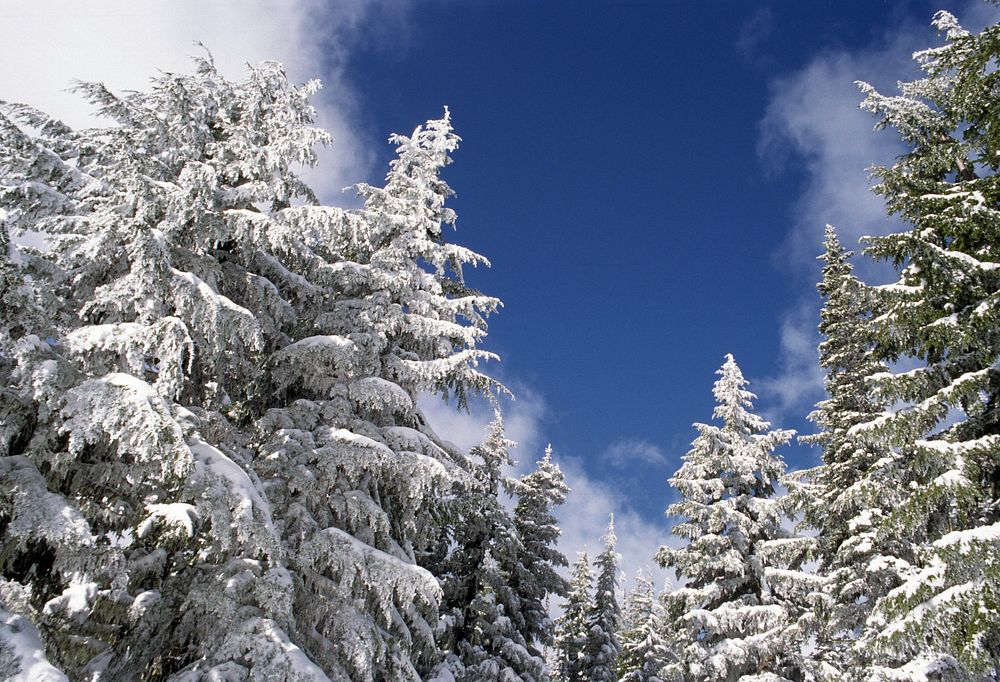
<point>484,614</point>
<point>602,646</point>
<point>840,498</point>
<point>213,464</point>
<point>535,577</point>
<point>363,483</point>
<point>571,628</point>
<point>943,434</point>
<point>723,624</point>
<point>643,647</point>
<point>136,537</point>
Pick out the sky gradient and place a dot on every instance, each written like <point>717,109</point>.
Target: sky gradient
<point>649,179</point>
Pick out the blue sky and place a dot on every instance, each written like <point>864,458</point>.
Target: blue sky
<point>649,179</point>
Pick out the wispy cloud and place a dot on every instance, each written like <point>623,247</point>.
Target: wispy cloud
<point>522,423</point>
<point>813,117</point>
<point>123,43</point>
<point>630,450</point>
<point>585,515</point>
<point>798,383</point>
<point>754,34</point>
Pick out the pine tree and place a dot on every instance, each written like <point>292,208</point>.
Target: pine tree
<point>571,628</point>
<point>365,483</point>
<point>602,646</point>
<point>535,577</point>
<point>483,611</point>
<point>841,499</point>
<point>643,648</point>
<point>943,434</point>
<point>136,538</point>
<point>213,464</point>
<point>723,624</point>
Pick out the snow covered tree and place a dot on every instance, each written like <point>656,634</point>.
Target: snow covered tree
<point>365,484</point>
<point>535,576</point>
<point>135,537</point>
<point>212,461</point>
<point>602,647</point>
<point>942,435</point>
<point>724,624</point>
<point>643,647</point>
<point>571,627</point>
<point>482,609</point>
<point>840,498</point>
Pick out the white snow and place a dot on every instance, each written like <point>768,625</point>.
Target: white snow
<point>74,602</point>
<point>966,538</point>
<point>21,645</point>
<point>173,514</point>
<point>240,482</point>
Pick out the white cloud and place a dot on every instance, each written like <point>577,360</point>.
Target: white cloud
<point>585,516</point>
<point>49,43</point>
<point>799,382</point>
<point>628,450</point>
<point>814,114</point>
<point>522,423</point>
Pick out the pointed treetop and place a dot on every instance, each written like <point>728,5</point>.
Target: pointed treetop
<point>547,458</point>
<point>733,401</point>
<point>837,266</point>
<point>610,539</point>
<point>833,249</point>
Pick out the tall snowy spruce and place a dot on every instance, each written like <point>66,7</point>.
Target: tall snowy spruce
<point>943,434</point>
<point>726,623</point>
<point>363,485</point>
<point>213,466</point>
<point>602,646</point>
<point>843,498</point>
<point>483,612</point>
<point>572,626</point>
<point>535,577</point>
<point>643,648</point>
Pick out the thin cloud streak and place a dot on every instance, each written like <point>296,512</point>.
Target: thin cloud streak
<point>631,450</point>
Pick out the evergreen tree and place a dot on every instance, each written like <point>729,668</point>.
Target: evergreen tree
<point>364,484</point>
<point>136,538</point>
<point>571,628</point>
<point>535,576</point>
<point>643,648</point>
<point>602,647</point>
<point>943,434</point>
<point>723,624</point>
<point>212,461</point>
<point>483,611</point>
<point>841,499</point>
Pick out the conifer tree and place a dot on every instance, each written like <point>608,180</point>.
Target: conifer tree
<point>535,577</point>
<point>213,464</point>
<point>136,538</point>
<point>483,609</point>
<point>943,434</point>
<point>602,646</point>
<point>571,628</point>
<point>723,624</point>
<point>841,499</point>
<point>643,647</point>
